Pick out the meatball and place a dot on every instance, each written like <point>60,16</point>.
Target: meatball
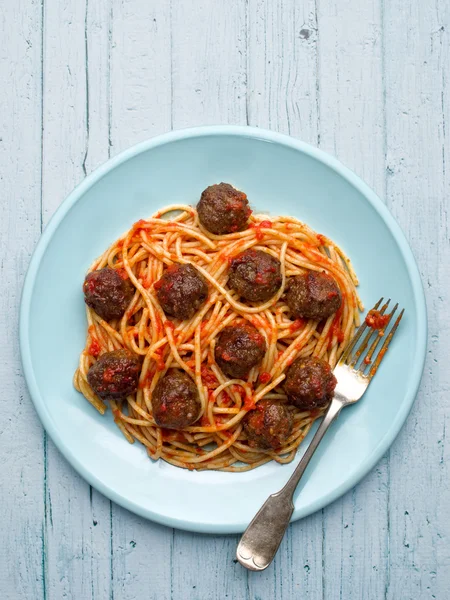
<point>255,275</point>
<point>181,291</point>
<point>115,375</point>
<point>223,209</point>
<point>313,295</point>
<point>175,400</point>
<point>238,349</point>
<point>108,292</point>
<point>268,426</point>
<point>309,383</point>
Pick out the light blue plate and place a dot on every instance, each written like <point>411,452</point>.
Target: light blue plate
<point>281,176</point>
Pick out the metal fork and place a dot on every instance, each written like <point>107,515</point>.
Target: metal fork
<point>353,372</point>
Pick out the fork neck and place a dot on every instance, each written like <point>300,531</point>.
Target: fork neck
<point>332,412</point>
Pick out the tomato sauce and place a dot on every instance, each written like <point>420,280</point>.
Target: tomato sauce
<point>168,324</point>
<point>160,362</point>
<point>168,435</point>
<point>226,400</point>
<point>249,403</point>
<point>227,433</point>
<point>157,324</point>
<point>94,348</point>
<point>376,320</point>
<point>146,282</point>
<point>140,225</point>
<point>335,329</point>
<point>204,421</point>
<point>208,378</point>
<point>258,226</point>
<point>265,377</point>
<point>108,375</point>
<point>122,273</point>
<point>319,258</point>
<point>297,324</point>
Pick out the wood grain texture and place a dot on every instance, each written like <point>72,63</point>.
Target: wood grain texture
<point>366,80</point>
<point>75,119</point>
<point>417,110</point>
<point>140,107</point>
<point>208,49</point>
<point>22,471</point>
<point>355,528</point>
<point>282,94</point>
<point>283,70</point>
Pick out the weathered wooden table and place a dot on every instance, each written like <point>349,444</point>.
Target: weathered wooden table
<point>368,81</point>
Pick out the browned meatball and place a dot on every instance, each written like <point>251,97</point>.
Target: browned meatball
<point>238,349</point>
<point>108,292</point>
<point>313,295</point>
<point>268,426</point>
<point>115,375</point>
<point>255,275</point>
<point>309,383</point>
<point>175,401</point>
<point>223,209</point>
<point>181,291</point>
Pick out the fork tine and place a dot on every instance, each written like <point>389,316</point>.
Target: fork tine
<point>368,358</point>
<point>366,339</point>
<point>356,337</point>
<point>385,346</point>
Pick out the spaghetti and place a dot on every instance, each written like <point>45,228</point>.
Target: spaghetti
<point>217,439</point>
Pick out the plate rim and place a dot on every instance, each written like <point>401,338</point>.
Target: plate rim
<point>235,131</point>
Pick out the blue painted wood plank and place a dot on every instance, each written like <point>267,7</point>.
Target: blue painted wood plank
<point>140,107</point>
<point>208,52</point>
<point>283,94</point>
<point>75,140</point>
<point>418,193</point>
<point>22,474</point>
<point>350,61</point>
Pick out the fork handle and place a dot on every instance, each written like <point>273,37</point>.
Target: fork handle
<point>261,539</point>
